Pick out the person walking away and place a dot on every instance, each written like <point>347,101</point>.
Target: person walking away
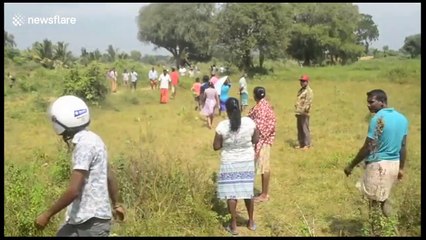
<point>92,194</point>
<point>153,76</point>
<point>134,79</point>
<point>264,117</point>
<point>224,95</point>
<point>164,80</point>
<point>12,80</point>
<point>211,102</point>
<point>196,87</point>
<point>384,151</point>
<point>236,136</point>
<point>243,90</point>
<point>203,87</point>
<point>174,76</point>
<point>126,78</point>
<point>303,106</point>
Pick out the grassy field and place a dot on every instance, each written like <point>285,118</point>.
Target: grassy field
<point>165,162</point>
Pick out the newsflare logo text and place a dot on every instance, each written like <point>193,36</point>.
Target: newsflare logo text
<point>20,20</point>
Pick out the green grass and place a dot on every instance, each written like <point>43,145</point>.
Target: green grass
<point>165,162</point>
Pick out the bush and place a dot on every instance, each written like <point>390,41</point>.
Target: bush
<point>89,85</point>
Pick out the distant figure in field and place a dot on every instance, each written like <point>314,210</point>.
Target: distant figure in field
<point>384,152</point>
<point>303,107</point>
<point>203,87</point>
<point>236,136</point>
<point>153,76</point>
<point>91,197</point>
<point>243,92</point>
<point>134,79</point>
<point>12,80</point>
<point>174,76</point>
<point>126,76</point>
<point>224,95</point>
<point>264,117</point>
<point>164,80</point>
<point>196,88</point>
<point>113,79</point>
<point>191,72</point>
<point>211,102</point>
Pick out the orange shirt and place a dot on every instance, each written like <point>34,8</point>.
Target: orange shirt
<point>196,88</point>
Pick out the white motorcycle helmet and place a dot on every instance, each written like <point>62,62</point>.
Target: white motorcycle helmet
<point>69,114</point>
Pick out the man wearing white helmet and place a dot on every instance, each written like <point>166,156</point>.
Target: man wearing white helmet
<point>92,184</point>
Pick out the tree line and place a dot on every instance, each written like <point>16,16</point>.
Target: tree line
<point>311,33</point>
<point>237,33</point>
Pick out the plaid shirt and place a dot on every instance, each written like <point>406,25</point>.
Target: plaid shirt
<point>264,117</point>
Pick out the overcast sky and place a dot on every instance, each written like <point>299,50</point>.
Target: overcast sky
<point>101,24</point>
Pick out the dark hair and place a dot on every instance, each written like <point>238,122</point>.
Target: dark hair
<point>206,78</point>
<point>197,79</point>
<point>379,94</point>
<point>259,92</point>
<point>234,113</point>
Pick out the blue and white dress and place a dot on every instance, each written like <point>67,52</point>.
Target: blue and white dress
<point>237,168</point>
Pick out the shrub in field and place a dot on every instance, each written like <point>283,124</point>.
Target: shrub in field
<point>88,85</point>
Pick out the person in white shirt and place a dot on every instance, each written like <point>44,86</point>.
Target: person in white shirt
<point>113,79</point>
<point>165,81</point>
<point>134,78</point>
<point>126,78</point>
<point>153,76</point>
<point>236,136</point>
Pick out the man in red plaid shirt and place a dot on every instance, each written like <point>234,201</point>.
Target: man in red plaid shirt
<point>264,117</point>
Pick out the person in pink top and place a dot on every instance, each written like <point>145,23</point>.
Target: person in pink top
<point>174,76</point>
<point>211,102</point>
<point>196,89</point>
<point>214,79</point>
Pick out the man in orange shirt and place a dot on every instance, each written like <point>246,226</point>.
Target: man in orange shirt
<point>174,75</point>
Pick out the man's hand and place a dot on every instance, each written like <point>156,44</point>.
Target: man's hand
<point>400,174</point>
<point>42,220</point>
<point>348,170</point>
<point>118,212</point>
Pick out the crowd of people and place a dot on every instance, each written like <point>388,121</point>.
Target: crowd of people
<point>245,141</point>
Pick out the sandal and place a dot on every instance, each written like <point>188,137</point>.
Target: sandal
<point>253,228</point>
<point>229,229</point>
<point>261,199</point>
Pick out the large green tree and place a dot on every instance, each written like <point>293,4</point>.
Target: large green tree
<point>253,28</point>
<point>412,45</point>
<point>367,31</point>
<point>324,32</point>
<point>182,29</point>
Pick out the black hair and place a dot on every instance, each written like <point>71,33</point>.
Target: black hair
<point>197,79</point>
<point>206,78</point>
<point>234,113</point>
<point>379,94</point>
<point>259,92</point>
